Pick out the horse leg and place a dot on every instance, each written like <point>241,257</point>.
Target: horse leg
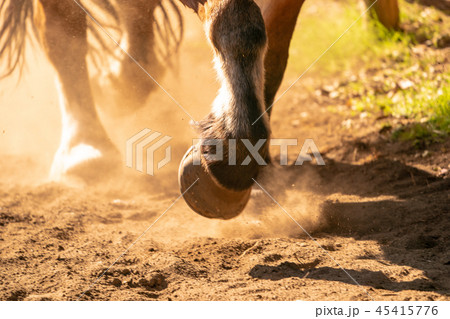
<point>280,18</point>
<point>221,186</point>
<point>387,12</point>
<point>133,84</point>
<point>85,148</point>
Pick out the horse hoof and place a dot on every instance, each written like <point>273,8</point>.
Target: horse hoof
<point>204,195</point>
<point>85,164</point>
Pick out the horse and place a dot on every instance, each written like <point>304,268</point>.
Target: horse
<point>250,41</point>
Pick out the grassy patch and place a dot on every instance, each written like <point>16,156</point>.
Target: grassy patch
<point>399,74</point>
<point>434,126</point>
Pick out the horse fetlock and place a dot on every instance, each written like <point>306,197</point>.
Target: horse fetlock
<point>236,171</point>
<point>233,157</point>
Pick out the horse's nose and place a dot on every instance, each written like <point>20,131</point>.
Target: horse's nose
<point>203,193</point>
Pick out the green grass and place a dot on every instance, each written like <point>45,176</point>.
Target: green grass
<point>388,61</point>
<point>317,28</point>
<point>434,126</point>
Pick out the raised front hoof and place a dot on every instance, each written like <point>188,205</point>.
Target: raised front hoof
<point>85,165</point>
<point>204,195</point>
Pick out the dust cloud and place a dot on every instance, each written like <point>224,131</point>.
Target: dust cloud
<point>30,127</point>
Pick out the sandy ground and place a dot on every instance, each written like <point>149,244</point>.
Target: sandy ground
<point>378,212</point>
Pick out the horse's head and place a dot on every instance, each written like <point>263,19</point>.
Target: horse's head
<point>236,32</point>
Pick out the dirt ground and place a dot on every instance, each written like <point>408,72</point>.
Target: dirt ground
<point>378,211</point>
